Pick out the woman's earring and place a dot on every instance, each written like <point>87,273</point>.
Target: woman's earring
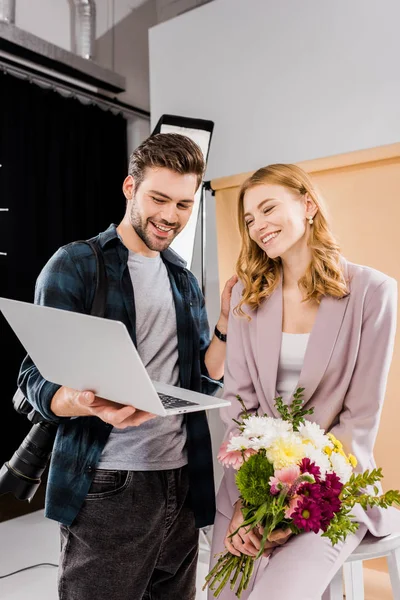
<point>310,220</point>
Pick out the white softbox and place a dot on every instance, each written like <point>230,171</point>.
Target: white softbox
<point>200,131</point>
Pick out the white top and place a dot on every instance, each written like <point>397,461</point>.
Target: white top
<point>291,360</point>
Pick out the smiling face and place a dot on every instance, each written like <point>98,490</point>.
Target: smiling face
<point>276,218</point>
<point>161,206</point>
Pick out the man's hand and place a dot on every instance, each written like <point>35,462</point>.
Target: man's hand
<point>68,402</point>
<point>226,297</point>
<point>215,355</point>
<point>248,541</point>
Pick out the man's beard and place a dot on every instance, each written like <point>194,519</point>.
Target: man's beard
<point>140,228</point>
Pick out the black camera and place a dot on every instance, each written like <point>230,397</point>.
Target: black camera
<point>21,475</point>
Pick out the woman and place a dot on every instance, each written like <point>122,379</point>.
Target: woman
<point>303,317</point>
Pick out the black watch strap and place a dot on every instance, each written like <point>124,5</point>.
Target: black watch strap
<point>220,336</point>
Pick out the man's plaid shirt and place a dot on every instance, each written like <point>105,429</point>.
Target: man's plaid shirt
<point>68,282</point>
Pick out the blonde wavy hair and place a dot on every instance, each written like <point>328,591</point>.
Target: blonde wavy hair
<point>260,274</point>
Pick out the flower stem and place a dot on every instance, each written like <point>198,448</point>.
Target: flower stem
<point>233,568</point>
<point>248,571</point>
<point>224,559</point>
<point>239,563</point>
<point>224,581</point>
<point>225,565</point>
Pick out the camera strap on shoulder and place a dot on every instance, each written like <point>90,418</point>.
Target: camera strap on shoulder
<point>98,307</point>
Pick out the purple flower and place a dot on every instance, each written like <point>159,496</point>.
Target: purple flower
<point>311,490</point>
<point>328,510</point>
<point>307,516</point>
<point>306,466</point>
<point>330,506</point>
<point>332,486</point>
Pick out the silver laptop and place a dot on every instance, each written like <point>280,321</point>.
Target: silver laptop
<point>90,353</point>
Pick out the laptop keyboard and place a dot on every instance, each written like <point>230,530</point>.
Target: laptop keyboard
<point>171,402</point>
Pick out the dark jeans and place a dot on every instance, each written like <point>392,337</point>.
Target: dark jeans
<point>134,539</point>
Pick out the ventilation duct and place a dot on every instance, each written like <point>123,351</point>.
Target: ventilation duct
<point>21,44</point>
<point>83,27</point>
<point>7,11</point>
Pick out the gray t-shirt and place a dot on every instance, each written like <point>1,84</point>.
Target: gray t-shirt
<point>157,444</point>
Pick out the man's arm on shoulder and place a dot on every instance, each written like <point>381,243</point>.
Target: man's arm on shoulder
<point>212,352</point>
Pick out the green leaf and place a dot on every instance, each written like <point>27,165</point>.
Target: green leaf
<point>341,525</point>
<point>294,413</point>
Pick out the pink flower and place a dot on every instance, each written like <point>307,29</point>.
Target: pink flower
<point>293,504</point>
<point>286,477</point>
<point>233,458</point>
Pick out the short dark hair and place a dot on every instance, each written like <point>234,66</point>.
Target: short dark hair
<point>169,150</point>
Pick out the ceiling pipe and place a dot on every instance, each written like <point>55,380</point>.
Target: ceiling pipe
<point>84,27</point>
<point>7,11</point>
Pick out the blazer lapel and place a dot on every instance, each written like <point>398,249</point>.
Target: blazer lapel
<point>269,339</point>
<point>321,343</point>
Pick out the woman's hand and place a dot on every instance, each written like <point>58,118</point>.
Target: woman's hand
<point>276,538</point>
<point>248,541</point>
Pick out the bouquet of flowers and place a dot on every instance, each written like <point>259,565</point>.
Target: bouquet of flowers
<point>291,474</point>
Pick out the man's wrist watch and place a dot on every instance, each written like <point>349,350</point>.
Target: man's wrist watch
<point>220,336</point>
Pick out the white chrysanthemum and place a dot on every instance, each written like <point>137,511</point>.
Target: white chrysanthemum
<point>312,432</point>
<point>340,466</point>
<point>264,441</point>
<point>282,427</point>
<point>257,425</point>
<point>237,443</point>
<point>318,457</point>
<point>264,431</point>
<point>286,451</point>
<point>256,443</point>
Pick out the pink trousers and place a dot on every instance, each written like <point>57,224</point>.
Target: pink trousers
<point>301,569</point>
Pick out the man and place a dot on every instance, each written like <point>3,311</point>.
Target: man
<point>129,489</point>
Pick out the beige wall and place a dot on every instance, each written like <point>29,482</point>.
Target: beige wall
<point>362,193</point>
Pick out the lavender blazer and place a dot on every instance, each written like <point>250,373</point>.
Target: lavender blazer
<point>344,373</point>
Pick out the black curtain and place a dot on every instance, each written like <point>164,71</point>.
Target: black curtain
<point>62,168</point>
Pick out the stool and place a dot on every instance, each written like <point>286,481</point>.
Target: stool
<point>370,547</point>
